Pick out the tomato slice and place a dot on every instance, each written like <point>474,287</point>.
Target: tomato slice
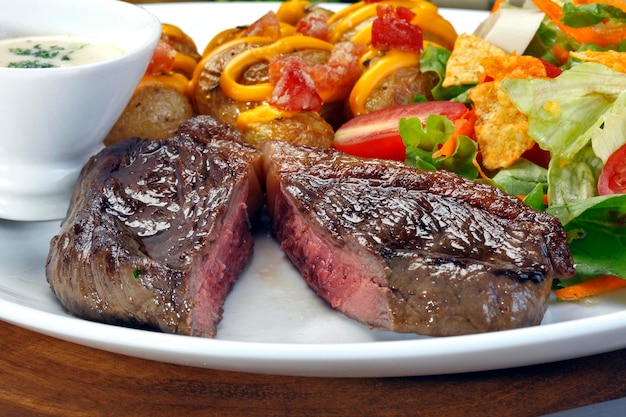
<point>375,134</point>
<point>612,179</point>
<point>385,145</point>
<point>552,71</point>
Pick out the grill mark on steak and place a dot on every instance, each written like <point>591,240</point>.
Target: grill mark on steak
<point>412,251</point>
<point>158,231</point>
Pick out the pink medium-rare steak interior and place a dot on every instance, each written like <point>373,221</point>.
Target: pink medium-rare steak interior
<point>345,279</point>
<point>412,251</point>
<point>158,231</point>
<point>219,267</point>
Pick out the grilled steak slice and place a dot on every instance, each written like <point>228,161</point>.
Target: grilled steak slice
<point>158,231</point>
<point>412,251</point>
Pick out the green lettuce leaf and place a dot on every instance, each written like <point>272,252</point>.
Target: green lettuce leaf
<point>521,178</point>
<point>591,14</point>
<point>435,59</point>
<point>576,179</point>
<point>596,228</point>
<point>564,114</point>
<point>535,198</point>
<point>611,135</point>
<point>564,111</point>
<point>424,139</point>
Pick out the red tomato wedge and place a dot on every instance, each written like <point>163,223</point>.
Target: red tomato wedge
<point>375,134</point>
<point>612,179</point>
<point>552,71</point>
<point>538,156</point>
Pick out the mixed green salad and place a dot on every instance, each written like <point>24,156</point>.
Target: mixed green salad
<point>579,117</point>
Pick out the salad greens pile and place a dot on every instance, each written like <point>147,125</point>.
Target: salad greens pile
<point>578,116</point>
<point>589,126</point>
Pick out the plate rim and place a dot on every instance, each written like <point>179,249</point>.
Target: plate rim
<point>348,359</point>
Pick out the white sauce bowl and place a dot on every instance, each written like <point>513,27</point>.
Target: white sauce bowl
<point>53,119</point>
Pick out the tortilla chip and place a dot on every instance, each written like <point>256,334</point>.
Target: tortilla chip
<point>612,59</point>
<point>501,129</point>
<point>464,66</point>
<point>513,66</point>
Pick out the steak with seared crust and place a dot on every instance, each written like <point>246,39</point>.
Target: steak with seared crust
<point>158,231</point>
<point>407,250</point>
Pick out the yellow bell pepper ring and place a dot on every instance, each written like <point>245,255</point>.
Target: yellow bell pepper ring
<point>434,24</point>
<point>236,33</point>
<point>291,11</point>
<point>174,31</point>
<point>200,67</point>
<point>221,38</point>
<point>238,64</point>
<point>345,11</point>
<point>184,63</point>
<point>380,69</point>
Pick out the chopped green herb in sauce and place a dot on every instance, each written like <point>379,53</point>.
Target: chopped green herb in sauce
<point>45,54</point>
<point>30,64</point>
<point>53,51</point>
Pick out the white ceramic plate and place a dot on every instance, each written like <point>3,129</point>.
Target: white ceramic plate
<point>272,322</point>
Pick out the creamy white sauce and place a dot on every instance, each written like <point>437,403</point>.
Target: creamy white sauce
<point>54,51</point>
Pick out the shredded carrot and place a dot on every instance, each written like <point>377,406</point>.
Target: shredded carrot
<point>496,5</point>
<point>601,284</point>
<point>480,169</point>
<point>560,53</point>
<point>592,34</point>
<point>464,125</point>
<point>448,148</point>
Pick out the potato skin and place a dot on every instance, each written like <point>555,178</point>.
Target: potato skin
<point>160,102</point>
<point>303,128</point>
<point>401,87</point>
<point>306,128</point>
<point>208,97</point>
<point>154,112</point>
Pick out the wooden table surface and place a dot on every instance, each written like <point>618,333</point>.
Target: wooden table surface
<point>43,376</point>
